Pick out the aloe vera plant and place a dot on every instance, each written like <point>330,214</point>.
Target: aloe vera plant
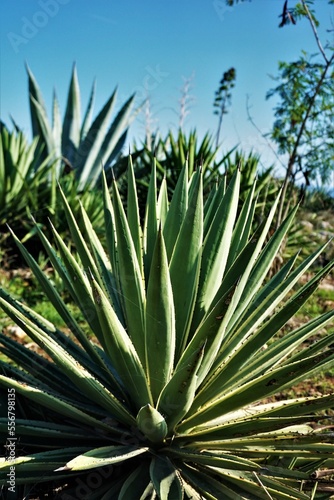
<point>170,396</point>
<point>80,145</point>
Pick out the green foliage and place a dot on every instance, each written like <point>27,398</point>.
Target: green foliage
<point>171,400</point>
<point>298,11</point>
<point>83,146</point>
<point>304,128</point>
<point>170,154</point>
<point>72,152</point>
<point>28,185</point>
<point>250,172</point>
<point>23,179</point>
<point>318,199</point>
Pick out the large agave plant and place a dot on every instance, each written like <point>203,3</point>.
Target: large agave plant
<point>170,397</point>
<point>28,184</point>
<point>80,145</point>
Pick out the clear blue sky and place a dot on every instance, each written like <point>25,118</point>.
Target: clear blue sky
<point>134,44</point>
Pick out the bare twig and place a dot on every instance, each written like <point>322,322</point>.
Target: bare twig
<point>322,473</point>
<point>314,29</point>
<point>263,486</point>
<point>148,123</point>
<point>185,100</point>
<point>250,118</point>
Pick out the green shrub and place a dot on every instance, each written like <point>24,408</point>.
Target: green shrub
<point>171,152</point>
<point>171,399</point>
<point>23,179</point>
<point>28,185</point>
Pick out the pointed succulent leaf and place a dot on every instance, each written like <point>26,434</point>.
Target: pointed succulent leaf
<point>243,227</point>
<point>223,460</point>
<point>56,404</point>
<point>165,479</point>
<point>212,204</point>
<point>177,211</point>
<point>56,124</point>
<point>277,352</point>
<point>43,127</point>
<point>243,279</point>
<point>90,146</point>
<point>185,273</point>
<point>114,139</point>
<point>160,321</point>
<point>178,395</point>
<point>162,207</point>
<point>259,388</point>
<point>38,114</point>
<point>72,119</point>
<point>100,457</point>
<point>205,484</point>
<point>133,215</point>
<point>111,238</point>
<point>216,248</point>
<point>80,377</point>
<point>77,236</point>
<point>103,266</point>
<point>136,483</point>
<point>121,350</point>
<point>56,300</point>
<point>151,221</point>
<point>130,278</point>
<point>248,339</point>
<point>255,420</point>
<point>79,284</point>
<point>88,114</point>
<point>210,329</point>
<point>260,269</point>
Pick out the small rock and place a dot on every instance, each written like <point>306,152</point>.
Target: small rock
<point>307,224</point>
<point>324,224</point>
<point>16,331</point>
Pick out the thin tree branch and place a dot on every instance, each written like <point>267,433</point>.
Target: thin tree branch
<point>250,118</point>
<point>314,29</point>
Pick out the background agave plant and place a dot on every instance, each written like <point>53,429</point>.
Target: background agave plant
<point>266,185</point>
<point>28,184</point>
<point>80,146</point>
<point>169,397</point>
<point>170,154</point>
